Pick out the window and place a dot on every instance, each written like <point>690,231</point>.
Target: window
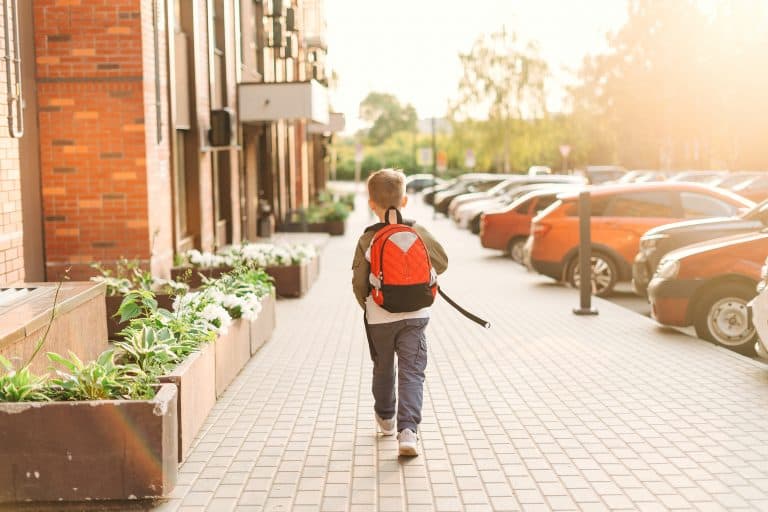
<point>641,204</point>
<point>598,207</point>
<point>544,202</point>
<point>524,207</point>
<point>699,205</point>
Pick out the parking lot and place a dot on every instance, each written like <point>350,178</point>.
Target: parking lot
<point>683,248</point>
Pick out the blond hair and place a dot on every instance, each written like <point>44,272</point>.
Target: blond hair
<point>386,188</point>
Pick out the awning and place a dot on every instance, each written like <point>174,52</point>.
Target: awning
<point>278,101</point>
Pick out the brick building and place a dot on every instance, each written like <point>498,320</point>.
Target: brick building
<point>141,136</point>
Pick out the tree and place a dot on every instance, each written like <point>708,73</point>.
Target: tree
<point>503,80</point>
<point>387,115</point>
<point>680,87</point>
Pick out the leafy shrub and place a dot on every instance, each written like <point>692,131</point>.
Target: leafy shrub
<point>21,385</point>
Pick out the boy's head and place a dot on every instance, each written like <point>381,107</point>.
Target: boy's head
<point>386,189</point>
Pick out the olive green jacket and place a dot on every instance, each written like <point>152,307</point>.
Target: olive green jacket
<point>361,268</point>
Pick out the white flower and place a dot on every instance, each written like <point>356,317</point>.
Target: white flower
<point>217,316</point>
<point>205,259</point>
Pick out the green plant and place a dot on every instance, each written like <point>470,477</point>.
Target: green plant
<point>155,351</point>
<point>102,379</point>
<point>129,275</point>
<point>21,385</point>
<point>335,212</point>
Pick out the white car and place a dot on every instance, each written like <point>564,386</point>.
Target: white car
<point>758,312</point>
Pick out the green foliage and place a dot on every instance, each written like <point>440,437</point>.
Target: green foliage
<point>20,385</point>
<point>328,212</point>
<point>154,351</point>
<point>388,116</point>
<point>129,275</point>
<point>678,88</point>
<point>102,379</point>
<point>136,303</point>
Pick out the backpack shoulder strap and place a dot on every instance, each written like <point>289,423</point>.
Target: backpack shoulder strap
<point>379,225</point>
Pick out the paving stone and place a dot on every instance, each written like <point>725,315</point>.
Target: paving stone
<point>544,411</point>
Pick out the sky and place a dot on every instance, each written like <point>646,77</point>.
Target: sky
<point>410,48</point>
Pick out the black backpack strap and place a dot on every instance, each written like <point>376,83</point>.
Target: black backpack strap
<point>463,311</point>
<point>371,348</point>
<point>397,213</point>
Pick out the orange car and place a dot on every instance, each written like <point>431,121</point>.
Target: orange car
<point>507,229</point>
<point>621,214</point>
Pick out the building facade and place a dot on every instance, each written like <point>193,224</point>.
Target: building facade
<point>139,141</point>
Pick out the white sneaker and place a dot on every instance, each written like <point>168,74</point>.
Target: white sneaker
<point>387,427</point>
<point>409,443</point>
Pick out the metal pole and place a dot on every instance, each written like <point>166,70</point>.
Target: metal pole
<point>585,256</point>
<point>434,163</point>
<point>434,148</point>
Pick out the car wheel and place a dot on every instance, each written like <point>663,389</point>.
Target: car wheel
<point>605,274</point>
<point>721,317</point>
<point>515,249</point>
<point>474,225</point>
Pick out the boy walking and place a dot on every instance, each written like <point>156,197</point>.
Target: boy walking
<point>390,333</point>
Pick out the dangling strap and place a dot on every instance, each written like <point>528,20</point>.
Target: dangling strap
<point>371,348</point>
<point>463,311</point>
<point>399,215</point>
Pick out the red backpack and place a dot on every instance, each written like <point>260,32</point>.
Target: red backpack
<point>402,277</point>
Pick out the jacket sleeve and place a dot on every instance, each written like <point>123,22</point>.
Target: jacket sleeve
<point>436,252</point>
<point>360,271</point>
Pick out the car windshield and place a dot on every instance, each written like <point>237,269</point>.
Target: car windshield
<point>756,211</point>
<point>759,182</point>
<point>734,180</point>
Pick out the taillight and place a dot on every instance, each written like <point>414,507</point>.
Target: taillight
<point>540,229</point>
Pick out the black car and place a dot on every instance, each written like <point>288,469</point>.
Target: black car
<point>468,186</point>
<point>418,182</point>
<point>429,192</point>
<point>658,241</point>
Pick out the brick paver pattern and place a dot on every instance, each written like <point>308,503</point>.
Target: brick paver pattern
<point>544,411</point>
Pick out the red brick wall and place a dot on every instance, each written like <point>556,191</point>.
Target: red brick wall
<point>11,251</point>
<point>100,160</point>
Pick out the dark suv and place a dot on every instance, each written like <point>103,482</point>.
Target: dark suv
<point>660,240</point>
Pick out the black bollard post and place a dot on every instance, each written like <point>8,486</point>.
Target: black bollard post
<point>585,256</point>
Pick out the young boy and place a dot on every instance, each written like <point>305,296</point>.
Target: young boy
<point>394,333</point>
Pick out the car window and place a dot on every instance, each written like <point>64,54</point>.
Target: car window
<point>598,207</point>
<point>524,207</point>
<point>699,205</point>
<point>543,202</point>
<point>641,204</point>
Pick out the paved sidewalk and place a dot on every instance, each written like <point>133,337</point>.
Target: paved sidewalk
<point>545,411</point>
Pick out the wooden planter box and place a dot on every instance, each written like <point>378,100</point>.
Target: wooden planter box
<point>194,280</point>
<point>261,329</point>
<point>334,227</point>
<point>233,350</point>
<point>114,326</point>
<point>79,325</point>
<point>195,381</point>
<point>292,281</point>
<point>93,450</point>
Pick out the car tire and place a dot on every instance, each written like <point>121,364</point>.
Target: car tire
<point>515,249</point>
<point>474,224</point>
<point>605,274</point>
<point>721,317</point>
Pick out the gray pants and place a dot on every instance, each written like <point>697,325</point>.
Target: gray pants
<point>405,338</point>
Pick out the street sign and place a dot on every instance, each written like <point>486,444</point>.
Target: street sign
<point>565,150</point>
<point>469,159</point>
<point>359,156</point>
<point>442,161</point>
<point>424,157</point>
